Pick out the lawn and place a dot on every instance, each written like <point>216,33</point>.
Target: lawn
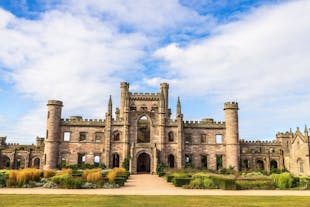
<point>162,201</point>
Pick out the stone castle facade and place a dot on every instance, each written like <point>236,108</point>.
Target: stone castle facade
<point>144,131</point>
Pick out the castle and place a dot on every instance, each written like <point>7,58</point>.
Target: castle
<point>144,132</point>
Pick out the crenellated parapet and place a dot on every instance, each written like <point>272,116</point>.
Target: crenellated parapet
<point>144,96</point>
<point>79,121</point>
<point>258,142</point>
<point>204,123</point>
<point>231,105</point>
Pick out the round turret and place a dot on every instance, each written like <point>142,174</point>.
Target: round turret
<point>232,134</point>
<point>52,134</point>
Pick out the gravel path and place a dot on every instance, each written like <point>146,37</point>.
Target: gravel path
<point>152,185</point>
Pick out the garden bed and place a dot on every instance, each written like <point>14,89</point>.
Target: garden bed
<point>65,178</point>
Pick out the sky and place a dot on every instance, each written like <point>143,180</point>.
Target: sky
<point>254,52</point>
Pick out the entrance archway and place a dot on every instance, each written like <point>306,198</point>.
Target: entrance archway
<point>143,163</point>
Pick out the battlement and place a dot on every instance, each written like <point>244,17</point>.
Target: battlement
<point>204,123</point>
<point>79,121</point>
<point>283,134</point>
<point>164,85</point>
<point>231,105</point>
<point>54,102</point>
<point>124,84</point>
<point>145,96</point>
<point>258,142</point>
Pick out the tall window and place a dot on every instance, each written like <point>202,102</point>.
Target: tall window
<point>246,164</point>
<point>204,161</point>
<point>115,161</point>
<point>81,158</point>
<point>300,165</point>
<point>116,136</point>
<point>144,130</point>
<point>219,138</point>
<point>203,138</point>
<point>67,136</point>
<point>82,136</point>
<point>188,138</point>
<point>170,137</point>
<point>219,162</point>
<point>97,160</point>
<point>171,161</point>
<point>98,136</point>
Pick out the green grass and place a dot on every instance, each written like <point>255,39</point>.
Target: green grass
<point>137,201</point>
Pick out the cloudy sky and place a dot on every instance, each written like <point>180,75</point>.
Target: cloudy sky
<point>78,51</point>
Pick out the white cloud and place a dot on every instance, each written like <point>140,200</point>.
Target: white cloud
<point>77,59</point>
<point>145,15</point>
<point>78,52</point>
<point>261,60</point>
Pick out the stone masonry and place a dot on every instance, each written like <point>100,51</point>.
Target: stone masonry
<point>143,130</point>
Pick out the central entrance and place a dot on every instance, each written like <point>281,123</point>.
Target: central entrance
<point>143,163</point>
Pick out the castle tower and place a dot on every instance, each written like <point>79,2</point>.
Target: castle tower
<point>232,135</point>
<point>164,88</point>
<point>124,93</point>
<point>52,134</point>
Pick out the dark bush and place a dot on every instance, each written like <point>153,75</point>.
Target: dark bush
<point>160,170</point>
<point>120,181</point>
<point>169,178</point>
<point>3,178</point>
<point>179,182</point>
<point>125,164</point>
<point>224,183</point>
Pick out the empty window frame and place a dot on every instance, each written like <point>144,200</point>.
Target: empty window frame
<point>219,139</point>
<point>203,138</point>
<point>67,136</point>
<point>188,138</point>
<point>82,136</point>
<point>170,137</point>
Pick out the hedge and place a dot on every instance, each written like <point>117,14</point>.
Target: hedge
<point>169,178</point>
<point>255,184</point>
<point>179,182</point>
<point>224,183</point>
<point>120,181</point>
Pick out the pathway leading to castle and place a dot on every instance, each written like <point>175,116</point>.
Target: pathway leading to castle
<point>151,185</point>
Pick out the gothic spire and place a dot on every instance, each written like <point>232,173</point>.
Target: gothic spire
<point>178,106</point>
<point>306,130</point>
<point>110,105</point>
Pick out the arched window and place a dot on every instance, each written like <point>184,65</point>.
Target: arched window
<point>260,165</point>
<point>36,163</point>
<point>300,165</point>
<point>204,161</point>
<point>144,130</point>
<point>273,164</point>
<point>154,108</point>
<point>246,164</point>
<point>20,162</point>
<point>133,107</point>
<point>81,158</point>
<point>115,161</point>
<point>171,161</point>
<point>116,136</point>
<point>5,162</point>
<point>170,137</point>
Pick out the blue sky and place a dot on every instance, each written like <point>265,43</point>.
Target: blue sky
<point>253,52</point>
